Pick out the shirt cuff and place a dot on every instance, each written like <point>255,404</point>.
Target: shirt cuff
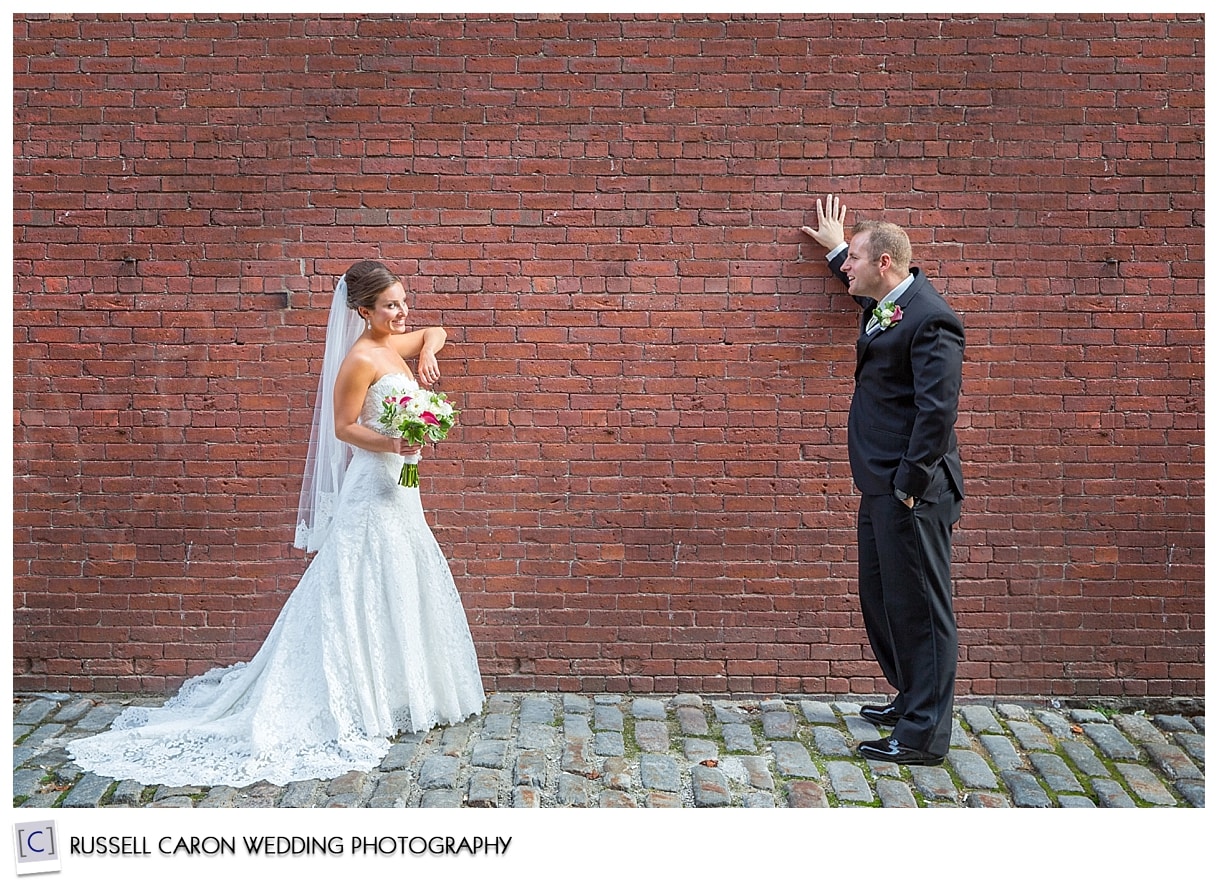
<point>836,251</point>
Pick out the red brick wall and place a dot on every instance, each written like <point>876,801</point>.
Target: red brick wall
<point>649,490</point>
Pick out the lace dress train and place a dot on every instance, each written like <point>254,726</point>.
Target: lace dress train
<point>372,642</point>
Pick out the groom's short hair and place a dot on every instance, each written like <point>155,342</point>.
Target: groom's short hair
<point>887,238</point>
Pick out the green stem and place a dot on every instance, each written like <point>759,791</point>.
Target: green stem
<point>410,475</point>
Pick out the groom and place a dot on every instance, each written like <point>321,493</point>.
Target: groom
<point>903,456</point>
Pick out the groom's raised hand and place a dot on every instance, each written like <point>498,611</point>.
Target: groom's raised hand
<point>830,230</point>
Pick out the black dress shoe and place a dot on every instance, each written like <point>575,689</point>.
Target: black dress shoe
<point>881,716</point>
<point>889,750</point>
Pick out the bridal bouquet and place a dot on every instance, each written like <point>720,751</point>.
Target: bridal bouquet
<point>418,416</point>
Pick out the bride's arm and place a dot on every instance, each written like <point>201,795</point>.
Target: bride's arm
<point>424,344</point>
<point>355,377</point>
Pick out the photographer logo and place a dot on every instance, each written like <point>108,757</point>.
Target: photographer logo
<point>37,847</point>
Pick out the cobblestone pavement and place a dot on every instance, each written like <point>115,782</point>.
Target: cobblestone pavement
<point>540,750</point>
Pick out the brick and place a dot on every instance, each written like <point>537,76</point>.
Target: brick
<point>652,361</point>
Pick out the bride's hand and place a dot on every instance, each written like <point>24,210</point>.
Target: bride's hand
<point>402,447</point>
<point>429,368</point>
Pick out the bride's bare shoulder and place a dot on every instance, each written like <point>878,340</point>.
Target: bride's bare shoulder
<point>359,366</point>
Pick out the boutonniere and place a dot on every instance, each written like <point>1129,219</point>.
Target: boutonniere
<point>887,314</point>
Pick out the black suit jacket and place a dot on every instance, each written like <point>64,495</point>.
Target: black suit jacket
<point>907,378</point>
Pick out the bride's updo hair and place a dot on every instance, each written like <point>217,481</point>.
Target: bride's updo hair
<point>365,280</point>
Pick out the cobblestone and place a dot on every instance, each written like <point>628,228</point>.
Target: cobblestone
<point>1030,737</point>
<point>1193,744</point>
<point>622,751</point>
<point>1139,728</point>
<point>401,754</point>
<point>710,787</point>
<point>617,774</point>
<point>933,782</point>
<point>860,729</point>
<point>778,724</point>
<point>848,782</point>
<point>439,771</point>
<point>574,790</point>
<point>974,772</point>
<point>791,759</point>
<point>692,721</point>
<point>576,704</point>
<point>659,773</point>
<point>1013,712</point>
<point>1002,752</point>
<point>609,744</point>
<point>651,736</point>
<point>1173,723</point>
<point>489,754</point>
<point>88,792</point>
<point>530,769</point>
<point>1026,791</point>
<point>1146,786</point>
<point>895,794</point>
<point>1084,759</point>
<point>818,712</point>
<point>1173,761</point>
<point>806,794</point>
<point>831,742</point>
<point>537,709</point>
<point>610,718</point>
<point>758,770</point>
<point>498,726</point>
<point>574,725</point>
<point>1059,727</point>
<point>648,709</point>
<point>727,713</point>
<point>34,712</point>
<point>738,738</point>
<point>981,719</point>
<point>483,789</point>
<point>1193,792</point>
<point>391,791</point>
<point>1110,741</point>
<point>1055,773</point>
<point>697,750</point>
<point>575,756</point>
<point>1111,794</point>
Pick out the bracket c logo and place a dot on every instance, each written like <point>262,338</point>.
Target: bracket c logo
<point>36,847</point>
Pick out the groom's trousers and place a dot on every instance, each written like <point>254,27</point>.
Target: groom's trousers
<point>906,598</point>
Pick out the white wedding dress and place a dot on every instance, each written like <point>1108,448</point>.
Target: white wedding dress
<point>372,642</point>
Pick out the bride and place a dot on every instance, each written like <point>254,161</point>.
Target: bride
<point>373,641</point>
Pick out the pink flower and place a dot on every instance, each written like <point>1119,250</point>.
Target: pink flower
<point>886,315</point>
<point>430,418</point>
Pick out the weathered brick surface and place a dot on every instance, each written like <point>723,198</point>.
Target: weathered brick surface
<point>649,489</point>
